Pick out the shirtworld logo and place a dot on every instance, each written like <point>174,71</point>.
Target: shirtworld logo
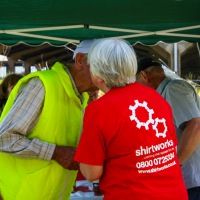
<point>150,120</point>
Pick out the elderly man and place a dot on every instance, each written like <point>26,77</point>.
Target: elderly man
<point>185,103</point>
<point>39,131</point>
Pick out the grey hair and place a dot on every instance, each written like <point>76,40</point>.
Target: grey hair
<point>113,60</point>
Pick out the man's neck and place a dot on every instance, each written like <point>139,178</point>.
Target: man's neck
<point>71,76</point>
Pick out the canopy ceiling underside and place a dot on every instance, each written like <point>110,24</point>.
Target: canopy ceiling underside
<point>68,21</point>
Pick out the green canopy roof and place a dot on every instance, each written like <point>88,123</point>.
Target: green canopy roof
<point>59,22</point>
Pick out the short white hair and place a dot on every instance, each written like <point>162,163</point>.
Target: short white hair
<point>113,60</point>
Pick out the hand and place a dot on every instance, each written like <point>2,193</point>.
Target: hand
<point>64,155</point>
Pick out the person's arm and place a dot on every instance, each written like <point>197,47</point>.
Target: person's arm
<point>91,172</point>
<point>91,153</point>
<point>190,140</point>
<point>19,122</point>
<point>183,100</point>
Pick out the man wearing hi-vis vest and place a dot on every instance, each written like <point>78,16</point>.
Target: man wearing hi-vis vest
<point>40,128</point>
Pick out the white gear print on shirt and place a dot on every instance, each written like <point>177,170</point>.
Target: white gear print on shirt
<point>155,127</point>
<point>149,121</point>
<point>133,116</point>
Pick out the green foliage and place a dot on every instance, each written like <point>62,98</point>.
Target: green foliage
<point>190,77</point>
<point>198,90</point>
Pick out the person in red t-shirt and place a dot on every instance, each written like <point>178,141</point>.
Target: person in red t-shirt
<point>128,140</point>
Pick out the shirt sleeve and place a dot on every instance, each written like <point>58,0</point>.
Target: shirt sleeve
<point>91,148</point>
<point>20,121</point>
<point>183,100</point>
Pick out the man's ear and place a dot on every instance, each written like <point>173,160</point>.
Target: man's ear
<point>144,76</point>
<point>80,61</point>
<point>102,85</point>
<point>100,80</point>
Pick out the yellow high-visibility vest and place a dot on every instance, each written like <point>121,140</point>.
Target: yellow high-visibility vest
<point>60,123</point>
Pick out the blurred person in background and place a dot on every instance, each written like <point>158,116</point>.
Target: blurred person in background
<point>6,87</point>
<point>185,103</point>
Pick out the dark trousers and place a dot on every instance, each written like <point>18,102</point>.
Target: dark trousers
<point>194,193</point>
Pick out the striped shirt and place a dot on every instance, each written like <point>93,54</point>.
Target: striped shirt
<point>185,103</point>
<point>20,121</point>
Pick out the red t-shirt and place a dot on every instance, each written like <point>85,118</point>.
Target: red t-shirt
<point>130,132</point>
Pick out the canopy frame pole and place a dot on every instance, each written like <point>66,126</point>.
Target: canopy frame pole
<point>44,37</point>
<point>177,34</point>
<point>43,29</point>
<point>139,33</point>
